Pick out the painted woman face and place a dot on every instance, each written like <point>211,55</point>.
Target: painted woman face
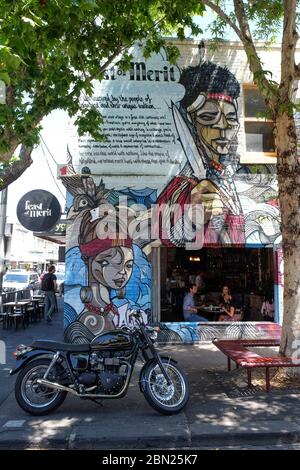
<point>113,267</point>
<point>217,125</point>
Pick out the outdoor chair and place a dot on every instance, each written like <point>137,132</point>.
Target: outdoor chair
<point>16,317</point>
<point>3,315</point>
<point>41,308</point>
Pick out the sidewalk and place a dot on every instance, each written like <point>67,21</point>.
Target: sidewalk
<point>13,337</point>
<point>217,415</point>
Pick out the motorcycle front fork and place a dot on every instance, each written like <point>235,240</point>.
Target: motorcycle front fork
<point>156,356</point>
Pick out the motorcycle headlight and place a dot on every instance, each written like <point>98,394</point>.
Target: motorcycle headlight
<point>153,332</point>
<point>153,335</point>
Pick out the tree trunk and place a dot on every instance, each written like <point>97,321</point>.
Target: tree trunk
<point>288,170</point>
<point>17,168</point>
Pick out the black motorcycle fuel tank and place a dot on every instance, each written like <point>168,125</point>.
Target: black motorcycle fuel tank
<point>113,340</point>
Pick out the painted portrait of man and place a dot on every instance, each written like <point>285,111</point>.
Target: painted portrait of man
<point>207,124</point>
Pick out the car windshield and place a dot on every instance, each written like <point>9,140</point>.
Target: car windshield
<point>22,278</point>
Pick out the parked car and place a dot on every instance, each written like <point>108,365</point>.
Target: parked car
<point>60,279</point>
<point>20,280</point>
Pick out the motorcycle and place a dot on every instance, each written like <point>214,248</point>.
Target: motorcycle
<point>49,370</point>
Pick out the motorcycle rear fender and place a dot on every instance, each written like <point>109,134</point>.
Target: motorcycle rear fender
<point>141,381</point>
<point>27,357</point>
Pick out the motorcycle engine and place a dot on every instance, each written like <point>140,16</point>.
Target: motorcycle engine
<point>106,371</point>
<point>88,379</point>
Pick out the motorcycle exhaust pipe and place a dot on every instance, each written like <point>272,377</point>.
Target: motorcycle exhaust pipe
<point>57,386</point>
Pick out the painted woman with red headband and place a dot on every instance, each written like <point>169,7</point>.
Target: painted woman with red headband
<point>109,262</point>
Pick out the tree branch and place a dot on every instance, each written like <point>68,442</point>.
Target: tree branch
<point>17,168</point>
<point>288,47</point>
<point>244,33</point>
<point>111,58</point>
<point>224,16</point>
<point>265,87</point>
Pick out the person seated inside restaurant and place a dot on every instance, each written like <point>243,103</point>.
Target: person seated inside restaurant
<point>226,302</point>
<point>190,309</point>
<point>267,308</point>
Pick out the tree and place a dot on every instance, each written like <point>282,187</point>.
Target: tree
<point>252,20</point>
<point>51,50</point>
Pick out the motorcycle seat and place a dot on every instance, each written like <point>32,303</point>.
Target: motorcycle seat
<point>57,346</point>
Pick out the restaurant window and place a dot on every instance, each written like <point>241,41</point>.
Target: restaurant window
<point>259,138</point>
<point>248,272</point>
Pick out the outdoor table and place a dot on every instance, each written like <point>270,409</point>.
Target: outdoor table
<point>22,304</point>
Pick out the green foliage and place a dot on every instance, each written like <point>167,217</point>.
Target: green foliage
<point>264,20</point>
<point>264,17</point>
<point>51,50</point>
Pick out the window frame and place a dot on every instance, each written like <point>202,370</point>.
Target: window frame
<point>255,157</point>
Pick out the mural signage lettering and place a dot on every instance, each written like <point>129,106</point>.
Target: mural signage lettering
<point>141,137</point>
<point>139,71</point>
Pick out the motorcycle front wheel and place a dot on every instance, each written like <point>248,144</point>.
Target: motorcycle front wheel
<point>34,398</point>
<point>166,399</point>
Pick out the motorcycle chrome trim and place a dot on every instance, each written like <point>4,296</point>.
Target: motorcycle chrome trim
<point>57,386</point>
<point>54,360</point>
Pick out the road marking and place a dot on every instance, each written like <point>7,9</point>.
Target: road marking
<point>71,440</point>
<point>17,423</point>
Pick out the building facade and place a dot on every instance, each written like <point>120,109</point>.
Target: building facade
<point>182,189</point>
<point>25,250</point>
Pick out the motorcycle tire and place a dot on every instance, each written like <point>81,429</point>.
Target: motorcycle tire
<point>23,387</point>
<point>166,399</point>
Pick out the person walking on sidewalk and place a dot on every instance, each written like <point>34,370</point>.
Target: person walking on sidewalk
<point>49,288</point>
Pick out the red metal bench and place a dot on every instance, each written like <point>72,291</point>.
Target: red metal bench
<point>236,350</point>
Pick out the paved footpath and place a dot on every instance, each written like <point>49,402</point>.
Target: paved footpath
<point>214,417</point>
<point>13,337</point>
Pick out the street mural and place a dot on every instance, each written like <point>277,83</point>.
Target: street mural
<point>239,208</point>
<point>106,276</point>
<point>171,138</point>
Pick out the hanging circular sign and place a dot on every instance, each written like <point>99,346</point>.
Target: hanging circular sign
<point>38,210</point>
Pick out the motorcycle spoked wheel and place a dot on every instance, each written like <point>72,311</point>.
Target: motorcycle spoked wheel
<point>166,399</point>
<point>34,398</point>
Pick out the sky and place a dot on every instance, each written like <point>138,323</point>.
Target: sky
<point>38,175</point>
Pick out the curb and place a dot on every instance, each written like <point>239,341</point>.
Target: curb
<point>187,439</point>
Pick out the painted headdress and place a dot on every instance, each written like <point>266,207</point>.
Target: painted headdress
<point>98,245</point>
<point>215,81</point>
<point>93,240</point>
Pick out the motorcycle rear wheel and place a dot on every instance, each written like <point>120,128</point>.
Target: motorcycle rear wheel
<point>164,398</point>
<point>34,398</point>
